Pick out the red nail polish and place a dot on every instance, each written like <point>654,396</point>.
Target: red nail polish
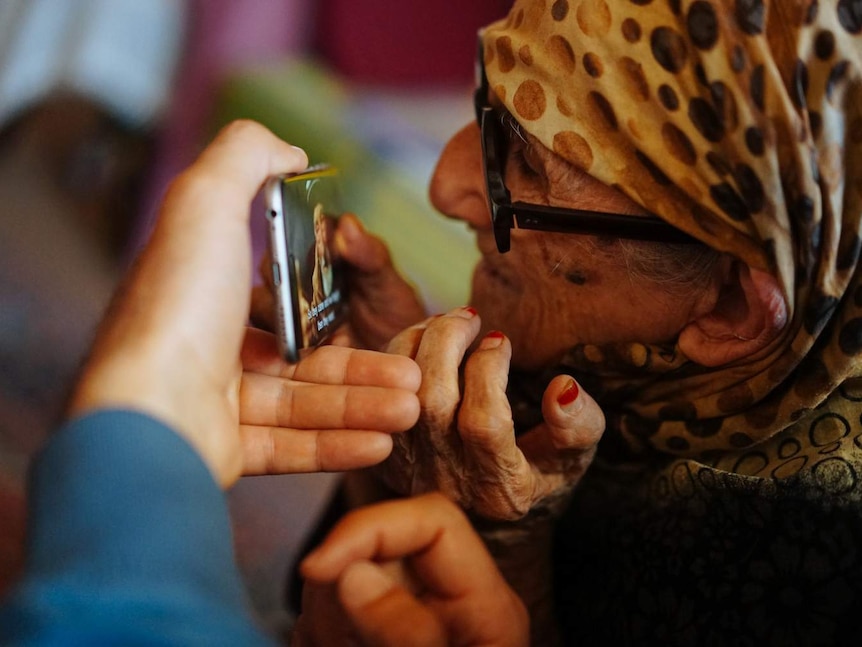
<point>471,310</point>
<point>569,395</point>
<point>492,340</point>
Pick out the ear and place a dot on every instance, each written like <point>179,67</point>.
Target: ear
<point>749,313</point>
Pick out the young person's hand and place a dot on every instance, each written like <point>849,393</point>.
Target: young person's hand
<point>174,340</point>
<point>407,572</point>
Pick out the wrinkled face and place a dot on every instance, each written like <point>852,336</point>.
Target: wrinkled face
<point>552,290</point>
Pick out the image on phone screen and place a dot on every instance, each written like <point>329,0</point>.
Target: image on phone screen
<point>308,280</point>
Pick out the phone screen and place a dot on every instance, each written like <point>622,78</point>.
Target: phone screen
<point>307,276</point>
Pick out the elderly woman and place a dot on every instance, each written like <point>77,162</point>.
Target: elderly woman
<point>675,195</point>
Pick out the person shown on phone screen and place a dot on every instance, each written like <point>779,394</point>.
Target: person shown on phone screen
<point>322,275</point>
<point>130,539</point>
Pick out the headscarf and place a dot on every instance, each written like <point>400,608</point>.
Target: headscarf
<point>740,122</point>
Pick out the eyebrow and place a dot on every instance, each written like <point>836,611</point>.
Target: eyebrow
<point>512,124</point>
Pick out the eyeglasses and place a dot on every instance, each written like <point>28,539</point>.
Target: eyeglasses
<point>506,215</point>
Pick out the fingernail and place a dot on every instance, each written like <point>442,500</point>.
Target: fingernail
<point>362,583</point>
<point>492,340</point>
<point>469,310</point>
<point>569,394</point>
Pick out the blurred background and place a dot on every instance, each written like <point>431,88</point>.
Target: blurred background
<point>102,102</point>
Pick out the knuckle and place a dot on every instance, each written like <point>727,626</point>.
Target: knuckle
<point>576,434</point>
<point>438,407</point>
<point>479,426</point>
<point>477,420</point>
<point>449,324</point>
<point>284,405</point>
<point>405,342</point>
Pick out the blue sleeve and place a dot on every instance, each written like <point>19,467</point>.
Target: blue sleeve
<point>129,543</point>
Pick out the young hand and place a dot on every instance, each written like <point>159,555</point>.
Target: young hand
<point>446,589</point>
<point>170,344</point>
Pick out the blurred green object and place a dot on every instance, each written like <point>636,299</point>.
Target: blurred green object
<point>385,145</point>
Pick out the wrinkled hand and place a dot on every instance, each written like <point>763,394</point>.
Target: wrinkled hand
<point>407,572</point>
<point>170,344</point>
<point>464,443</point>
<point>382,303</point>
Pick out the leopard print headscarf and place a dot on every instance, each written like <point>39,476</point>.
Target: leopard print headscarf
<point>740,122</point>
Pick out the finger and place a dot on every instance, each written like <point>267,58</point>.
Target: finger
<point>382,303</point>
<point>242,156</point>
<point>217,189</point>
<point>407,342</point>
<point>344,336</point>
<point>337,365</point>
<point>363,251</point>
<point>573,419</point>
<point>485,417</point>
<point>279,402</point>
<point>383,613</point>
<point>502,483</point>
<point>277,450</point>
<point>449,557</point>
<point>330,364</point>
<point>439,356</point>
<point>573,425</point>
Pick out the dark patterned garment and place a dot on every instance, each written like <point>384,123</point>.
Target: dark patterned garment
<point>707,562</point>
<point>729,511</point>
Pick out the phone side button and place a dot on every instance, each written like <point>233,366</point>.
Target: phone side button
<point>276,274</point>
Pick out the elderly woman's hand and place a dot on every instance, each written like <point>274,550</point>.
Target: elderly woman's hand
<point>464,443</point>
<point>382,302</point>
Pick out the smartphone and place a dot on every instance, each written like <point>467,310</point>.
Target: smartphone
<point>307,277</point>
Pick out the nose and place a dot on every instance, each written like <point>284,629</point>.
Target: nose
<point>458,184</point>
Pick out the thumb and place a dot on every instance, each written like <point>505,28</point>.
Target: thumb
<point>382,303</point>
<point>382,612</point>
<point>354,244</point>
<point>573,425</point>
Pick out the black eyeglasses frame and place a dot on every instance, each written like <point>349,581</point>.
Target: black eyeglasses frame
<point>506,215</point>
